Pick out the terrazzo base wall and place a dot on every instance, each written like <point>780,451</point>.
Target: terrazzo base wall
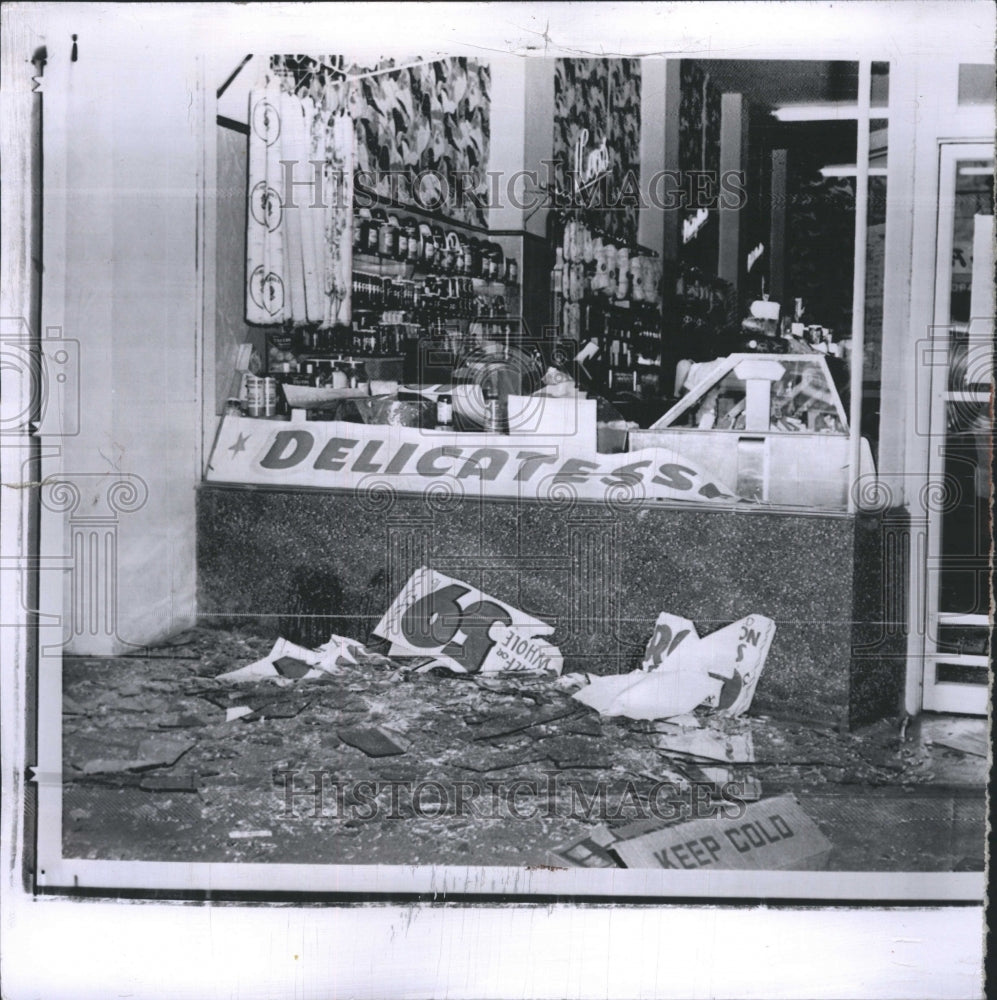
<point>321,561</point>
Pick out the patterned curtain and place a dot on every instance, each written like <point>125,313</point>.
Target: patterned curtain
<point>299,227</point>
<point>602,97</point>
<point>422,128</point>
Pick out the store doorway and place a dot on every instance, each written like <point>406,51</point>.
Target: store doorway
<point>957,633</point>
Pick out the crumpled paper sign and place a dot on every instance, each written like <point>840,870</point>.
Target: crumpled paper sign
<point>682,671</point>
<point>655,694</point>
<point>323,660</point>
<point>708,744</point>
<point>465,629</point>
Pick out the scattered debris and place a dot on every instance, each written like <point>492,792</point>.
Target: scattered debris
<point>282,708</point>
<point>589,850</point>
<point>773,835</point>
<point>965,742</point>
<point>750,787</point>
<point>709,744</point>
<point>150,753</point>
<point>187,720</point>
<point>324,660</point>
<point>677,723</point>
<point>291,667</point>
<point>506,725</point>
<point>572,752</point>
<point>373,742</point>
<point>187,782</point>
<point>461,727</point>
<point>585,725</point>
<point>499,761</point>
<point>718,776</point>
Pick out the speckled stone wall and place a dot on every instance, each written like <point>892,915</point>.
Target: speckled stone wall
<point>312,562</point>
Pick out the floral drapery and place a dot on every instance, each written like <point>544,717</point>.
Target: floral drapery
<point>699,151</point>
<point>422,129</point>
<point>299,226</point>
<point>603,97</point>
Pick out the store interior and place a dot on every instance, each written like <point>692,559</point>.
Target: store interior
<point>421,320</point>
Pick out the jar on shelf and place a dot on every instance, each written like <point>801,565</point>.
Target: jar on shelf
<point>622,272</point>
<point>413,243</point>
<point>401,241</point>
<point>361,227</point>
<point>387,243</point>
<point>468,269</point>
<point>378,220</point>
<point>427,241</point>
<point>454,254</point>
<point>474,251</point>
<point>496,261</point>
<point>439,249</point>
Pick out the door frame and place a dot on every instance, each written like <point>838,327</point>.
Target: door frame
<point>944,696</point>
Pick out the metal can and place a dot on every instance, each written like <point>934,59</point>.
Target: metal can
<point>261,396</point>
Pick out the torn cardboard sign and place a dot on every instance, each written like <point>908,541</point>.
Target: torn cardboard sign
<point>681,671</point>
<point>708,744</point>
<point>465,629</point>
<point>655,694</point>
<point>774,835</point>
<point>288,662</point>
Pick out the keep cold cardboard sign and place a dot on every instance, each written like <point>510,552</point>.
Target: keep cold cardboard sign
<point>769,836</point>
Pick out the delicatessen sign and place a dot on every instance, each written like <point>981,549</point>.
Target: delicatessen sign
<point>341,455</point>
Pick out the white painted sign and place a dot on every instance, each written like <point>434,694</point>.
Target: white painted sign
<point>753,255</point>
<point>692,225</point>
<point>591,166</point>
<point>346,456</point>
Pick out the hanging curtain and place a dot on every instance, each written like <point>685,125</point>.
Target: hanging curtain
<point>338,230</point>
<point>299,226</point>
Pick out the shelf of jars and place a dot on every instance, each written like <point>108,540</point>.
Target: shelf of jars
<point>397,307</point>
<point>605,297</point>
<point>425,295</point>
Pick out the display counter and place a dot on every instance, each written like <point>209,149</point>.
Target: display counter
<point>307,561</point>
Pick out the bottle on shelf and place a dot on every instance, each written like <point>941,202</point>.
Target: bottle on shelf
<point>378,220</point>
<point>413,244</point>
<point>401,241</point>
<point>474,253</point>
<point>361,230</point>
<point>496,263</point>
<point>437,261</point>
<point>427,243</point>
<point>493,414</point>
<point>387,242</point>
<point>444,411</point>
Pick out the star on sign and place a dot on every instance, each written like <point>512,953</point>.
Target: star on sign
<point>240,444</point>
